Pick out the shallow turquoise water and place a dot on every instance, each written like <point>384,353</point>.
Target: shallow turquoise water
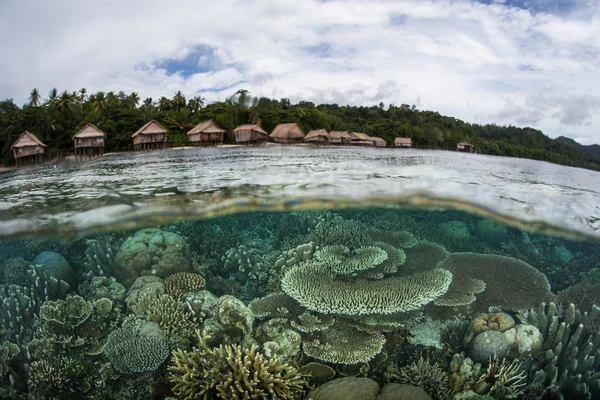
<point>409,267</point>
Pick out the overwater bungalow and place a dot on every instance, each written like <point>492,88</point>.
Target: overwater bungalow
<point>404,142</point>
<point>361,139</point>
<point>379,142</point>
<point>340,137</point>
<point>151,136</point>
<point>287,133</point>
<point>250,133</point>
<point>207,133</point>
<point>465,147</point>
<point>319,136</point>
<point>28,149</point>
<point>89,142</point>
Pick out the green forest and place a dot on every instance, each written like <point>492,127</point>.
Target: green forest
<point>55,119</point>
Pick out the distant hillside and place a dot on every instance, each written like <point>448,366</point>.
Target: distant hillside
<point>118,114</point>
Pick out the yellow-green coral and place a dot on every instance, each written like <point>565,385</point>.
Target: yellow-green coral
<point>346,261</point>
<point>230,372</point>
<point>318,289</point>
<point>180,283</point>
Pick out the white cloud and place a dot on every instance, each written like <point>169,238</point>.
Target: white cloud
<point>482,63</point>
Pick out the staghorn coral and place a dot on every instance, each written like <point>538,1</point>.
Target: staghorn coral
<point>428,375</point>
<point>232,372</point>
<point>131,352</point>
<point>180,283</point>
<point>344,261</point>
<point>503,378</point>
<point>317,289</point>
<point>343,345</point>
<point>172,315</point>
<point>511,284</point>
<point>569,358</point>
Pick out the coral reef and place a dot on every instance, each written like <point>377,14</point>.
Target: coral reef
<point>428,375</point>
<point>232,322</point>
<point>569,357</point>
<point>343,345</point>
<point>99,257</point>
<point>346,388</point>
<point>151,252</point>
<point>423,256</point>
<point>142,291</point>
<point>99,287</point>
<point>131,352</point>
<point>14,271</point>
<point>510,284</point>
<point>177,285</point>
<point>502,379</point>
<point>55,265</point>
<point>490,231</point>
<point>232,372</point>
<point>488,344</point>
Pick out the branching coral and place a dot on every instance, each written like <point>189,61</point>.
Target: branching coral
<point>505,378</point>
<point>172,316</point>
<point>180,283</point>
<point>318,289</point>
<point>427,375</point>
<point>131,352</point>
<point>231,372</point>
<point>99,257</point>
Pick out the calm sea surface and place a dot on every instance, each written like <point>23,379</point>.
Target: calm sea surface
<point>123,190</point>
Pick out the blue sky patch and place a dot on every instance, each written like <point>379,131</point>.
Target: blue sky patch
<point>201,58</point>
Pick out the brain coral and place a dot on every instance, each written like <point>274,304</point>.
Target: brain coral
<point>318,289</point>
<point>177,285</point>
<point>510,284</point>
<point>151,252</point>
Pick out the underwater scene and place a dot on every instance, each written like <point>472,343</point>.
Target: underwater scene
<point>364,303</point>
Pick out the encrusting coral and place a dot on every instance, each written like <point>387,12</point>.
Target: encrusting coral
<point>180,283</point>
<point>232,372</point>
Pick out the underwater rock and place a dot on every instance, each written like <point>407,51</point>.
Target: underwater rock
<point>491,232</point>
<point>454,230</point>
<point>151,252</point>
<point>143,287</point>
<point>486,344</point>
<point>202,304</point>
<point>398,391</point>
<point>54,264</point>
<point>287,341</point>
<point>104,287</point>
<point>231,323</point>
<point>524,340</point>
<point>345,389</point>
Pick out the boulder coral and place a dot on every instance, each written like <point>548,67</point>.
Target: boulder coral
<point>151,252</point>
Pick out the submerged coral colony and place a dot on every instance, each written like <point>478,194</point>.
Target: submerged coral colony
<point>361,304</point>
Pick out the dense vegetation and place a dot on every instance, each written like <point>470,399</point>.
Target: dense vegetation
<point>60,116</point>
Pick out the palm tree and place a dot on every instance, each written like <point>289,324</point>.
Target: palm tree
<point>82,95</point>
<point>133,100</point>
<point>34,98</point>
<point>164,104</point>
<point>53,94</point>
<point>98,101</point>
<point>179,100</point>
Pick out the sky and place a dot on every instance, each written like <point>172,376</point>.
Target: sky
<point>532,63</point>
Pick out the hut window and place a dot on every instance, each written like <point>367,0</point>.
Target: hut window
<point>79,141</point>
<point>37,148</point>
<point>20,149</point>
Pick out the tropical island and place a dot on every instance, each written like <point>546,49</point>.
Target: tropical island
<point>61,115</point>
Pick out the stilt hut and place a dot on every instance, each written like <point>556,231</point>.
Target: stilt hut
<point>151,136</point>
<point>249,134</point>
<point>207,133</point>
<point>28,149</point>
<point>287,133</point>
<point>318,137</point>
<point>403,142</point>
<point>379,142</point>
<point>340,137</point>
<point>361,139</point>
<point>89,142</point>
<point>465,147</point>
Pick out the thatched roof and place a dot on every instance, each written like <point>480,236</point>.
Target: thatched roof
<point>316,134</point>
<point>251,127</point>
<point>287,132</point>
<point>27,139</point>
<point>402,140</point>
<point>379,141</point>
<point>89,131</point>
<point>150,127</point>
<point>209,126</point>
<point>464,144</point>
<point>340,135</point>
<point>360,136</point>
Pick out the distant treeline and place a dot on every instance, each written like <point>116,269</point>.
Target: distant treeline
<point>56,119</point>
